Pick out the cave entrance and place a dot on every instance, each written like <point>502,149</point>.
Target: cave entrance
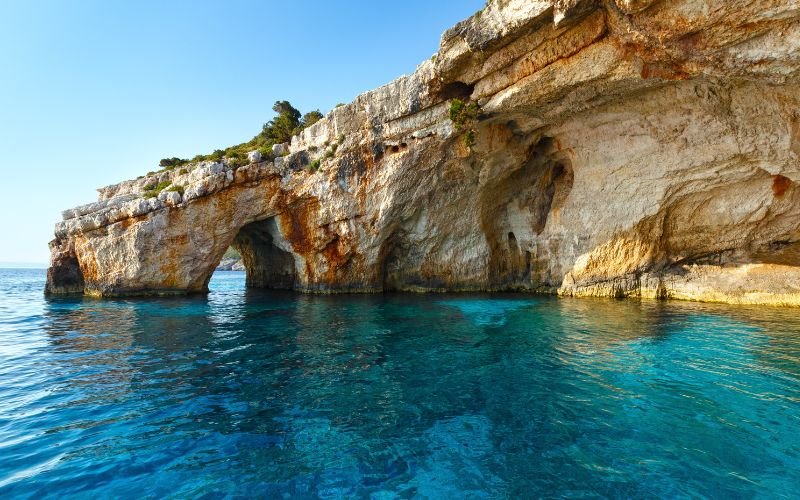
<point>64,276</point>
<point>266,264</point>
<point>515,213</point>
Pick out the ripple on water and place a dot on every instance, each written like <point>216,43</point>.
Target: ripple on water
<point>271,394</point>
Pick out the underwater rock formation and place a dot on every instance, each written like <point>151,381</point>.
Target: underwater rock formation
<point>610,148</point>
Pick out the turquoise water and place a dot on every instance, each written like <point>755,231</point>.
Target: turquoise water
<point>431,396</point>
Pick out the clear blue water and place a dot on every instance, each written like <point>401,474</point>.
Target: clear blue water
<point>431,396</point>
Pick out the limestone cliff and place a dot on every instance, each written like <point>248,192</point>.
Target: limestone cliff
<point>614,148</point>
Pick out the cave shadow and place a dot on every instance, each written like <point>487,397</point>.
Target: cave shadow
<point>267,259</point>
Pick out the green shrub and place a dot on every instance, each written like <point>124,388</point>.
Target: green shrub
<point>465,118</point>
<point>469,138</point>
<point>311,118</point>
<point>266,153</point>
<point>281,128</point>
<point>463,115</point>
<point>315,165</point>
<point>176,188</point>
<point>170,163</point>
<point>153,192</point>
<point>457,107</point>
<point>236,156</point>
<point>183,171</point>
<point>288,122</point>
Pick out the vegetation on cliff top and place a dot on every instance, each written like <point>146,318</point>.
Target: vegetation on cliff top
<point>155,190</point>
<point>288,122</point>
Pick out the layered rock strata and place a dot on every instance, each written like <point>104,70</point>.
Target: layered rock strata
<point>612,148</point>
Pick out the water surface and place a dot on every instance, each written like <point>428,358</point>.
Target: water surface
<point>434,396</point>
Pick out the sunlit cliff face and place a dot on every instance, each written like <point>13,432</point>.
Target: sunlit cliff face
<point>622,148</point>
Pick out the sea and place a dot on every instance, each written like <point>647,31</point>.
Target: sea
<point>250,393</point>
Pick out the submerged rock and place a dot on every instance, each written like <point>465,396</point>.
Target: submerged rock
<point>630,148</point>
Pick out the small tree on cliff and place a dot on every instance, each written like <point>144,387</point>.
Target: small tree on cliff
<point>281,128</point>
<point>172,162</point>
<point>311,118</point>
<point>288,122</point>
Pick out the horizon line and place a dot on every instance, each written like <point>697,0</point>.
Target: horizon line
<point>22,265</point>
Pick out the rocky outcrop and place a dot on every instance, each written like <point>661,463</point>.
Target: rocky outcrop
<point>614,148</point>
<point>230,264</point>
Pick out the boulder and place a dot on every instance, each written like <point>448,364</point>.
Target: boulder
<point>254,156</point>
<point>280,149</point>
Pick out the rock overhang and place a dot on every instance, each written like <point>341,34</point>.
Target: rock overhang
<point>666,118</point>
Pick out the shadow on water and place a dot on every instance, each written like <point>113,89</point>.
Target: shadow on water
<point>251,392</point>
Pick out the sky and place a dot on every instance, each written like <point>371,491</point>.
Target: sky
<point>96,92</point>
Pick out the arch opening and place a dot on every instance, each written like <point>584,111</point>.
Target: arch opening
<point>64,276</point>
<point>266,263</point>
<point>516,210</point>
<point>403,265</point>
<point>391,272</point>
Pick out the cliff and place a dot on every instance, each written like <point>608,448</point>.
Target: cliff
<point>614,148</point>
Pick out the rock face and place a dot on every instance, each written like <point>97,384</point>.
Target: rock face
<point>230,264</point>
<point>612,148</point>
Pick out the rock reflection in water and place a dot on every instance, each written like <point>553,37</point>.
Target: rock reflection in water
<point>271,394</point>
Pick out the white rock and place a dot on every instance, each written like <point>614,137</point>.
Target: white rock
<point>254,156</point>
<point>280,149</point>
<point>173,198</point>
<point>216,168</point>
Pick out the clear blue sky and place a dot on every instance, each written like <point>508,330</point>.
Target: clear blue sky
<point>93,92</point>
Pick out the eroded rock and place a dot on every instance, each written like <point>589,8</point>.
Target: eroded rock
<point>628,148</point>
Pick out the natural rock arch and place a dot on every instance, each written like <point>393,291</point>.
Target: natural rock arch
<point>608,150</point>
<point>267,261</point>
<point>64,277</point>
